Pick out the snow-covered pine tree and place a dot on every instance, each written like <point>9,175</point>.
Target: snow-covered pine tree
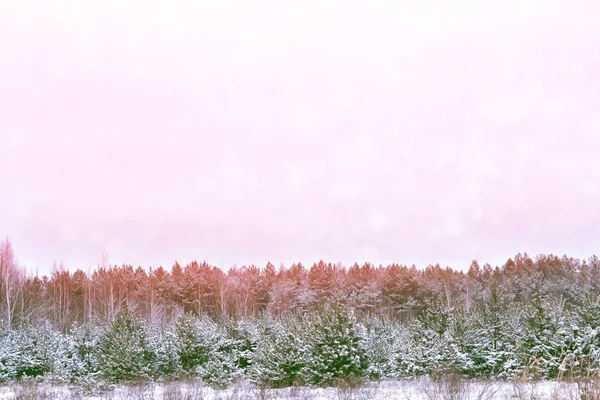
<point>197,340</point>
<point>382,342</point>
<point>217,352</point>
<point>429,350</point>
<point>122,351</point>
<point>337,350</point>
<point>85,340</point>
<point>547,338</point>
<point>36,351</point>
<point>236,344</point>
<point>494,339</point>
<point>162,343</point>
<point>8,355</point>
<point>281,354</point>
<point>584,360</point>
<point>462,340</point>
<point>67,367</point>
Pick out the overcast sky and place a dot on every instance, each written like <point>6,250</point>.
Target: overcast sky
<point>246,131</point>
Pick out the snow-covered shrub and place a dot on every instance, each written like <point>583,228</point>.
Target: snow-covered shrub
<point>197,339</point>
<point>585,326</point>
<point>281,355</point>
<point>319,348</point>
<point>337,351</point>
<point>67,365</point>
<point>219,371</point>
<point>8,355</point>
<point>85,340</point>
<point>36,352</point>
<point>382,342</point>
<point>236,343</point>
<point>123,352</point>
<point>430,348</point>
<point>546,339</point>
<point>163,344</point>
<point>492,339</point>
<point>217,352</point>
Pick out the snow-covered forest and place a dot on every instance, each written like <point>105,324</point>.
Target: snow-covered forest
<point>320,325</point>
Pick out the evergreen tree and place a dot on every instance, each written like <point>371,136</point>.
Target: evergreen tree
<point>430,349</point>
<point>494,339</point>
<point>123,352</point>
<point>235,346</point>
<point>337,350</point>
<point>382,340</point>
<point>36,351</point>
<point>9,355</point>
<point>197,340</point>
<point>85,341</point>
<point>282,354</point>
<point>163,345</point>
<point>547,339</point>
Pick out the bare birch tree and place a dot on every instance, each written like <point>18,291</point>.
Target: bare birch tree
<point>11,282</point>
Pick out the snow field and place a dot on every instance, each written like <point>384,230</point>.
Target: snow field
<point>410,389</point>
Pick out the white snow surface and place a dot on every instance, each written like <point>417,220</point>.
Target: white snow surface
<point>414,389</point>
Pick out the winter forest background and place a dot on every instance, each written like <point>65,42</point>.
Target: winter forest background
<point>316,325</point>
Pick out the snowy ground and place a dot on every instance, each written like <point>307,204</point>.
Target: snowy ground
<point>418,389</point>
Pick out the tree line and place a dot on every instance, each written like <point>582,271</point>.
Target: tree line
<point>298,325</point>
<point>161,296</point>
<point>324,347</point>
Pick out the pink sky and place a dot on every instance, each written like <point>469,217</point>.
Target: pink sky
<point>245,131</point>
